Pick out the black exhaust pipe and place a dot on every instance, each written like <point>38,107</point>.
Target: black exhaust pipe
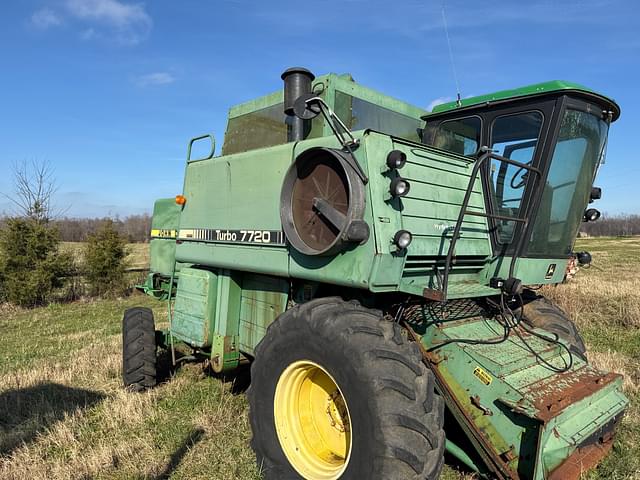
<point>297,81</point>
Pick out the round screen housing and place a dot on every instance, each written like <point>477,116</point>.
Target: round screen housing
<point>322,203</point>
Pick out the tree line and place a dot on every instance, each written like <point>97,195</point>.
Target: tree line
<point>133,228</point>
<point>613,226</point>
<point>136,228</point>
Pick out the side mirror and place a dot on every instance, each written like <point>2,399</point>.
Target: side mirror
<point>304,109</point>
<point>195,139</point>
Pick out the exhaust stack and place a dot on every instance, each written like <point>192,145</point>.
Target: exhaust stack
<point>297,81</point>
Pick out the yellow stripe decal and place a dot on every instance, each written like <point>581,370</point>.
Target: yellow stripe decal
<point>163,233</point>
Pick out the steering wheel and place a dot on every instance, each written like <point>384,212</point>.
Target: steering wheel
<point>523,179</point>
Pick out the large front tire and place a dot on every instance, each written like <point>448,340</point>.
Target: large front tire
<point>338,392</point>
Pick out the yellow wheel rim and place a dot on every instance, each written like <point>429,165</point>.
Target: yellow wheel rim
<point>312,421</point>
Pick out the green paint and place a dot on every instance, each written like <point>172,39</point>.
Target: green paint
<point>461,455</point>
<point>166,216</point>
<point>263,299</point>
<point>554,86</point>
<point>225,352</point>
<point>195,307</point>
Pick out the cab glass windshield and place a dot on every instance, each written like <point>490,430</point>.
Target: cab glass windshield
<point>566,190</point>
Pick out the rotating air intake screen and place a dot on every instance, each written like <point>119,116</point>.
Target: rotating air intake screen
<point>322,203</point>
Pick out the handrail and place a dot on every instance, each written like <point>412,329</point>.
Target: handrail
<point>464,211</point>
<point>195,139</point>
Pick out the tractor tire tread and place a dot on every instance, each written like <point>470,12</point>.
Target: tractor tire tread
<point>540,312</point>
<point>138,349</point>
<point>408,413</point>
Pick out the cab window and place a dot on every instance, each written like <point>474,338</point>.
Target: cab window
<point>259,129</point>
<point>359,114</point>
<point>514,137</point>
<point>461,136</point>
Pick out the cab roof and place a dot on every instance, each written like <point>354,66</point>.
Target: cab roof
<point>527,91</point>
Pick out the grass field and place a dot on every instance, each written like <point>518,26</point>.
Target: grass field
<point>137,253</point>
<point>63,413</point>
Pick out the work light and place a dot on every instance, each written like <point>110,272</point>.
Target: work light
<point>396,159</point>
<point>399,187</point>
<point>402,239</point>
<point>591,215</point>
<point>584,258</point>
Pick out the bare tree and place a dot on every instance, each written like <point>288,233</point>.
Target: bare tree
<point>35,186</point>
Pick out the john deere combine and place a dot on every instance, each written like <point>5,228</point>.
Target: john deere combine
<point>376,264</point>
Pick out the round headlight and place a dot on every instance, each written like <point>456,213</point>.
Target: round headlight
<point>399,187</point>
<point>396,159</point>
<point>402,239</point>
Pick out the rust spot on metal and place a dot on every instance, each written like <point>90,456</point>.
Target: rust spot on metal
<point>509,455</point>
<point>431,294</point>
<point>581,460</point>
<point>566,389</point>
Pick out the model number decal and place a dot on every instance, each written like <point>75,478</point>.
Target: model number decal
<point>218,235</point>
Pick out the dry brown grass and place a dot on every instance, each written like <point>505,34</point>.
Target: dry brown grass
<point>137,253</point>
<point>70,419</point>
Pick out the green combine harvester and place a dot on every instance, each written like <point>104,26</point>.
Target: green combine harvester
<point>377,266</point>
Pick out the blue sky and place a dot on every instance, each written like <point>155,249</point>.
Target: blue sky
<point>109,91</point>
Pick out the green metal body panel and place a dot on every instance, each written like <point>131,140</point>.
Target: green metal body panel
<point>235,192</point>
<point>225,354</point>
<point>164,227</point>
<point>195,307</point>
<point>229,193</point>
<point>162,249</point>
<point>263,299</point>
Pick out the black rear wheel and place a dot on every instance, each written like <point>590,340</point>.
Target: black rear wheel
<point>541,312</point>
<point>338,392</point>
<point>138,349</point>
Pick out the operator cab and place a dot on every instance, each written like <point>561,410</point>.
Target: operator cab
<point>556,127</point>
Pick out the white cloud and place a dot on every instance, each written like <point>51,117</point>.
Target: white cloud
<point>438,101</point>
<point>154,79</point>
<point>45,18</point>
<point>126,23</point>
<point>113,21</point>
<point>112,12</point>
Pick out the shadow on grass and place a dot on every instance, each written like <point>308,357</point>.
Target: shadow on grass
<point>25,412</point>
<point>240,378</point>
<point>194,437</point>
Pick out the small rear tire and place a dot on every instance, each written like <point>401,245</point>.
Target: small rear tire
<point>138,349</point>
